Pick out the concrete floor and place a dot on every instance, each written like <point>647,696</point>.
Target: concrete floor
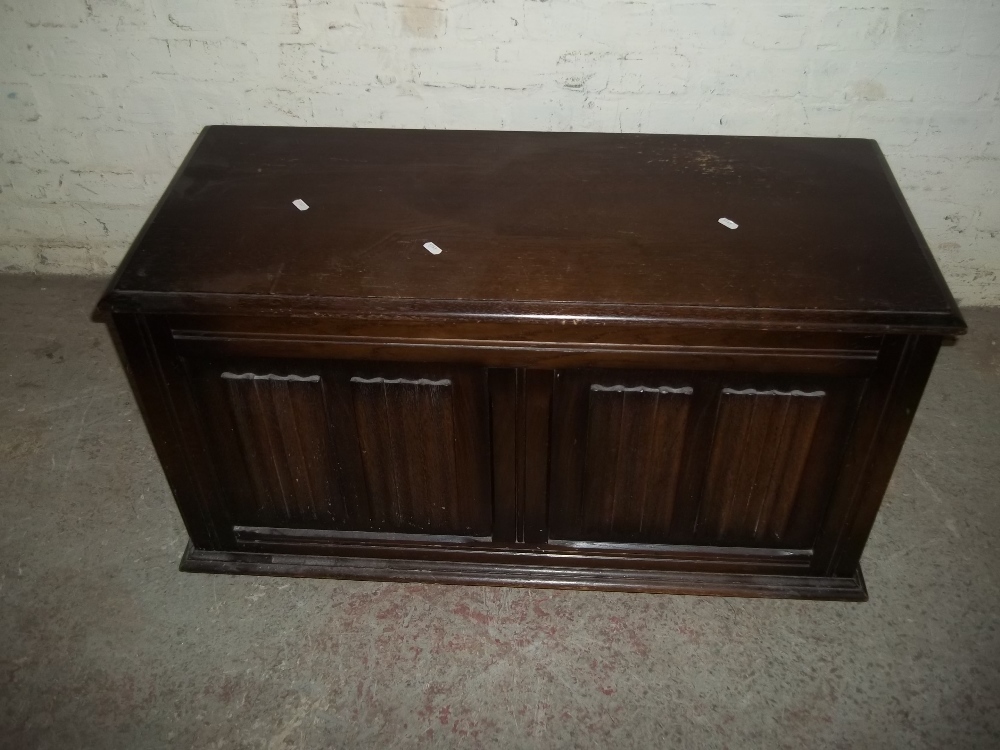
<point>104,644</point>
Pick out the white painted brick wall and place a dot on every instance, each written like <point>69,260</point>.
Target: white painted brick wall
<point>100,99</point>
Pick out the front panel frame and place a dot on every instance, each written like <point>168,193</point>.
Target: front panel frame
<point>522,380</point>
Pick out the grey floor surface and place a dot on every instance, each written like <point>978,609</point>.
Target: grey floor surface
<point>104,644</point>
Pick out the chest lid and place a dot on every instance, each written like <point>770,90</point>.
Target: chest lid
<point>784,233</point>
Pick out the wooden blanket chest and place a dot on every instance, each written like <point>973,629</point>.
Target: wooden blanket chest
<point>633,362</point>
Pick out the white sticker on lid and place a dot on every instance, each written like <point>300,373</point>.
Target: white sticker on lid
<point>728,223</point>
<point>432,248</point>
<point>300,204</point>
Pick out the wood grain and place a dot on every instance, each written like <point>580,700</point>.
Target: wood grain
<point>760,445</point>
<point>408,451</point>
<point>617,455</point>
<point>635,440</point>
<point>282,433</point>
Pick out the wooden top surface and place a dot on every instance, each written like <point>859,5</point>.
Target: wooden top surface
<point>539,224</point>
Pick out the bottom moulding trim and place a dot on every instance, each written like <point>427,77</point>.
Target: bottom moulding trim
<point>485,574</point>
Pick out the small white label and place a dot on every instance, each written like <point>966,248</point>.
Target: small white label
<point>728,223</point>
<point>300,204</point>
<point>432,248</point>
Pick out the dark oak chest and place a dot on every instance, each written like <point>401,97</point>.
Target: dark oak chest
<point>594,383</point>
